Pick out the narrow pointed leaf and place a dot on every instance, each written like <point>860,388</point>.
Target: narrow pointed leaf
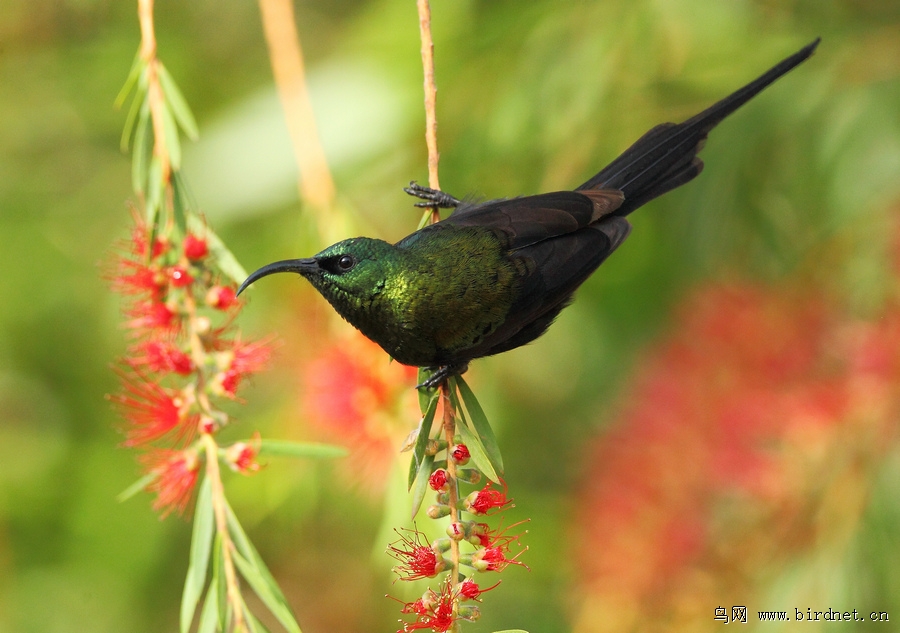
<point>136,487</point>
<point>425,397</point>
<point>209,618</point>
<point>143,147</point>
<point>131,119</point>
<point>220,583</point>
<point>173,142</point>
<point>179,105</point>
<point>155,193</point>
<point>137,67</point>
<point>201,546</point>
<point>269,594</point>
<point>248,551</point>
<point>179,202</point>
<point>422,440</point>
<point>476,449</point>
<point>480,424</point>
<point>309,450</point>
<point>421,484</point>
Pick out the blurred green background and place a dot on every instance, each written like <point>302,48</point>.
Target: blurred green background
<point>800,195</point>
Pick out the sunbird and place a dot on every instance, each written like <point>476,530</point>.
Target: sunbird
<point>494,275</point>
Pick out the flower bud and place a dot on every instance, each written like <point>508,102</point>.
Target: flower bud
<point>179,277</point>
<point>437,511</point>
<point>460,454</point>
<point>438,480</point>
<point>221,297</point>
<point>195,248</point>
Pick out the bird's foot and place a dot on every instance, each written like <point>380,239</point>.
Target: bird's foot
<point>440,374</point>
<point>434,197</point>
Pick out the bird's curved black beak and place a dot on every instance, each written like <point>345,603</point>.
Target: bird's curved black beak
<point>303,267</point>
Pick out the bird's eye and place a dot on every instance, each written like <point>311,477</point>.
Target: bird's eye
<point>346,262</point>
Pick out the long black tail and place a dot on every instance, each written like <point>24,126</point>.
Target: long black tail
<point>666,157</point>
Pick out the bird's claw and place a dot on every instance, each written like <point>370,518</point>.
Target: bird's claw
<point>440,374</point>
<point>433,197</point>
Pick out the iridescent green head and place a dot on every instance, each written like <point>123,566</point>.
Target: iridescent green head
<point>346,273</point>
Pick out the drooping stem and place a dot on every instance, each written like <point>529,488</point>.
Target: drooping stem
<point>430,99</point>
<point>155,95</point>
<point>315,183</point>
<point>232,588</point>
<point>449,429</point>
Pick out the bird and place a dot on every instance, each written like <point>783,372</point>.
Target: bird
<point>494,275</point>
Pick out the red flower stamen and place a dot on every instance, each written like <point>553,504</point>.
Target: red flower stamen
<point>486,499</point>
<point>153,411</point>
<point>417,558</point>
<point>177,475</point>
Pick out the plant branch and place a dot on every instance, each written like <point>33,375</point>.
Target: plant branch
<point>233,589</point>
<point>430,99</point>
<point>154,89</point>
<point>315,183</point>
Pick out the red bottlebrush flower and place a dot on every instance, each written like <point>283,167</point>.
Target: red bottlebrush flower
<point>482,535</point>
<point>195,248</point>
<point>484,500</point>
<point>138,278</point>
<point>357,397</point>
<point>140,238</point>
<point>161,356</point>
<point>153,411</point>
<point>494,559</point>
<point>152,318</point>
<point>744,425</point>
<point>241,456</point>
<point>433,610</point>
<point>469,589</point>
<point>221,297</point>
<point>179,277</point>
<point>238,362</point>
<point>460,454</point>
<point>177,473</point>
<point>438,480</point>
<point>417,558</point>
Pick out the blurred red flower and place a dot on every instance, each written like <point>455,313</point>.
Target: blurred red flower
<point>740,425</point>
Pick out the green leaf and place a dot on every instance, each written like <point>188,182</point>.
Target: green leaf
<point>137,486</point>
<point>309,450</point>
<point>220,583</point>
<point>155,193</point>
<point>245,547</point>
<point>254,623</point>
<point>511,631</point>
<point>180,204</point>
<point>137,67</point>
<point>421,487</point>
<point>422,441</point>
<point>425,395</point>
<point>143,148</point>
<point>227,262</point>
<point>201,545</point>
<point>179,105</point>
<point>480,424</point>
<point>209,614</point>
<point>269,593</point>
<point>476,448</point>
<point>173,143</point>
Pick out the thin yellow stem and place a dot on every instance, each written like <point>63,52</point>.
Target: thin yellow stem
<point>449,426</point>
<point>232,588</point>
<point>430,99</point>
<point>315,183</point>
<point>154,89</point>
